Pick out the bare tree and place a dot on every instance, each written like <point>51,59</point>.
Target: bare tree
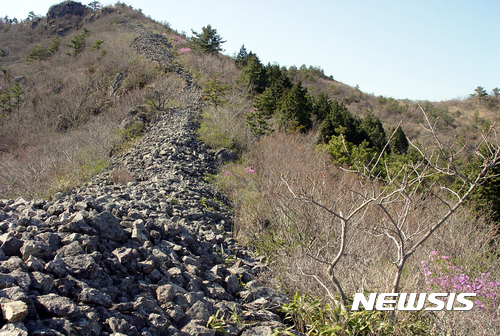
<point>159,94</point>
<point>398,197</point>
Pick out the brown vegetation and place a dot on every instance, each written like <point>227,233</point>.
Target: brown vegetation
<point>296,235</point>
<point>65,121</point>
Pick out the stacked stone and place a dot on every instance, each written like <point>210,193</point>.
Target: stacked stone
<point>151,257</point>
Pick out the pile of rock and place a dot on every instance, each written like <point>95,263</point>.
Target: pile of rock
<point>153,257</point>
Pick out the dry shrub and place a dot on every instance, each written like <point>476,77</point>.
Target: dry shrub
<point>66,122</point>
<point>295,234</point>
<point>206,66</point>
<point>163,91</point>
<point>121,175</point>
<point>223,126</point>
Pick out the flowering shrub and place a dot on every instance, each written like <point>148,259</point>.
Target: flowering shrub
<point>184,50</point>
<point>249,170</point>
<point>444,275</point>
<point>178,39</point>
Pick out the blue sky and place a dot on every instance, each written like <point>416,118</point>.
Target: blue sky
<point>428,49</point>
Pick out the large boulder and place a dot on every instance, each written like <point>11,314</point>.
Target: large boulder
<point>65,8</point>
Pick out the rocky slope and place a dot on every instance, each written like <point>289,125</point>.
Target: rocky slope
<point>152,257</point>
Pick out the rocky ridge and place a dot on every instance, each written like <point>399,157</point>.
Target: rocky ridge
<point>151,257</point>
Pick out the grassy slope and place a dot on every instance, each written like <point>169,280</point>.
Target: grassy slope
<point>67,121</point>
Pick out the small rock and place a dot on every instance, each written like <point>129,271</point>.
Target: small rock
<point>124,254</point>
<point>165,293</point>
<point>11,246</point>
<point>194,329</point>
<point>94,296</point>
<point>34,264</point>
<point>108,226</point>
<point>14,311</point>
<point>232,284</point>
<point>14,329</point>
<point>42,282</point>
<point>200,311</point>
<point>55,305</point>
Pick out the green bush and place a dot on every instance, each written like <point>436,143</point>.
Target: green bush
<point>96,45</point>
<point>54,45</point>
<point>212,136</point>
<point>77,43</point>
<point>315,317</point>
<point>38,53</point>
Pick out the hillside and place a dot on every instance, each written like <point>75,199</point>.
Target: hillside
<point>136,162</point>
<point>144,248</point>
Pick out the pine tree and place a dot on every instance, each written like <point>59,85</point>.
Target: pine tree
<point>208,41</point>
<point>480,93</point>
<point>340,121</point>
<point>322,106</point>
<point>373,131</point>
<point>277,83</point>
<point>295,108</point>
<point>253,74</point>
<point>277,79</point>
<point>241,58</point>
<point>266,102</point>
<point>399,142</point>
<point>77,43</point>
<point>214,92</point>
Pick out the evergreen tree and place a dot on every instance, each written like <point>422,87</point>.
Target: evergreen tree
<point>373,131</point>
<point>277,79</point>
<point>495,92</point>
<point>257,122</point>
<point>295,108</point>
<point>340,121</point>
<point>95,5</point>
<point>480,93</point>
<point>241,58</point>
<point>322,106</point>
<point>38,53</point>
<point>77,43</point>
<point>266,102</point>
<point>54,45</point>
<point>399,142</point>
<point>208,41</point>
<point>214,91</point>
<point>253,73</point>
<point>277,83</point>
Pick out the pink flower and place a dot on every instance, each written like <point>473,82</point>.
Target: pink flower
<point>178,39</point>
<point>226,173</point>
<point>249,170</point>
<point>184,50</point>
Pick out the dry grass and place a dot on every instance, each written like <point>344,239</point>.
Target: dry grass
<point>65,124</point>
<point>121,175</point>
<point>289,231</point>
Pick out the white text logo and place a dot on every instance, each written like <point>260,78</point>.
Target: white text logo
<point>409,302</point>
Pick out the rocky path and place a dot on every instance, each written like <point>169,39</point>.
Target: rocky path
<point>152,257</point>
